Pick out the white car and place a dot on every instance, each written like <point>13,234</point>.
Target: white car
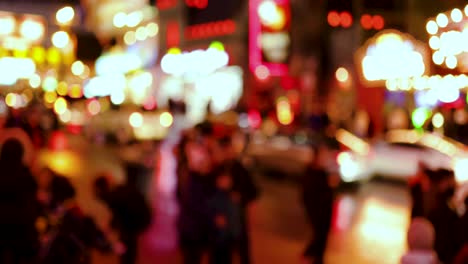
<point>399,156</point>
<point>279,153</point>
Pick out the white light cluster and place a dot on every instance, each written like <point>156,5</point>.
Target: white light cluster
<point>428,82</point>
<point>198,62</point>
<point>448,38</point>
<point>13,69</point>
<point>392,57</point>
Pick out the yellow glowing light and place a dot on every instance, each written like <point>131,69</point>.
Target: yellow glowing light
<point>94,107</point>
<point>78,68</point>
<point>272,15</point>
<point>10,100</point>
<point>60,39</point>
<point>466,10</point>
<point>442,20</point>
<point>38,54</point>
<point>7,25</point>
<point>166,119</point>
<point>32,29</point>
<point>35,81</point>
<point>438,120</point>
<point>60,106</point>
<point>141,33</point>
<point>120,20</point>
<point>20,53</point>
<point>75,91</point>
<point>217,45</point>
<point>153,29</point>
<point>456,15</point>
<point>451,62</point>
<point>130,38</point>
<point>62,89</point>
<point>174,51</point>
<point>50,97</point>
<point>136,120</point>
<point>432,27</point>
<point>434,42</point>
<point>342,74</point>
<point>117,98</point>
<point>65,15</point>
<point>53,56</point>
<point>283,109</point>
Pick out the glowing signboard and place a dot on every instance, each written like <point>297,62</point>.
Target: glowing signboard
<point>391,55</point>
<point>269,39</point>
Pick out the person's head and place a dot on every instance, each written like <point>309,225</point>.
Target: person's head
<point>12,151</point>
<point>421,235</point>
<point>102,186</point>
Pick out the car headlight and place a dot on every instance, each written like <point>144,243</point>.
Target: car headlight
<point>460,169</point>
<point>349,168</point>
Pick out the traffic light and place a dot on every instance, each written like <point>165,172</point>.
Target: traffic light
<point>340,13</point>
<point>369,22</point>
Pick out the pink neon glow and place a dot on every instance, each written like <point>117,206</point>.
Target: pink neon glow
<point>255,52</point>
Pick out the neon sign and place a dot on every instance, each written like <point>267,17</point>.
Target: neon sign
<point>269,39</point>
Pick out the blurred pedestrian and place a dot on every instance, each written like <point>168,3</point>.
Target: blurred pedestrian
<point>317,195</point>
<point>32,125</point>
<point>422,192</point>
<point>195,188</point>
<point>53,189</point>
<point>20,210</point>
<point>71,235</point>
<point>226,219</point>
<point>244,191</point>
<point>131,213</point>
<point>445,219</point>
<point>421,236</point>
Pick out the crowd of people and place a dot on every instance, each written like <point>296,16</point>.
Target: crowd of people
<point>215,195</point>
<point>42,222</point>
<point>439,229</point>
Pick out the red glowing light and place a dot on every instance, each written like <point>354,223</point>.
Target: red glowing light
<point>200,4</point>
<point>333,19</point>
<point>166,4</point>
<point>58,141</point>
<point>255,31</point>
<point>173,34</point>
<point>346,19</point>
<point>209,30</point>
<point>367,21</point>
<point>255,119</point>
<point>378,22</point>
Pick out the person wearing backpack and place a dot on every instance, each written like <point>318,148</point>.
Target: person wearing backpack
<point>131,213</point>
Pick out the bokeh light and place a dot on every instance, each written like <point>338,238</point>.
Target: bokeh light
<point>136,120</point>
<point>262,72</point>
<point>60,106</point>
<point>438,120</point>
<point>78,68</point>
<point>60,39</point>
<point>166,119</point>
<point>432,27</point>
<point>342,74</point>
<point>65,15</point>
<point>94,107</point>
<point>442,20</point>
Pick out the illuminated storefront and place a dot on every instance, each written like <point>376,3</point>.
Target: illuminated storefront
<point>202,79</point>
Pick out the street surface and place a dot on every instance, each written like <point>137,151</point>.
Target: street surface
<point>369,225</point>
